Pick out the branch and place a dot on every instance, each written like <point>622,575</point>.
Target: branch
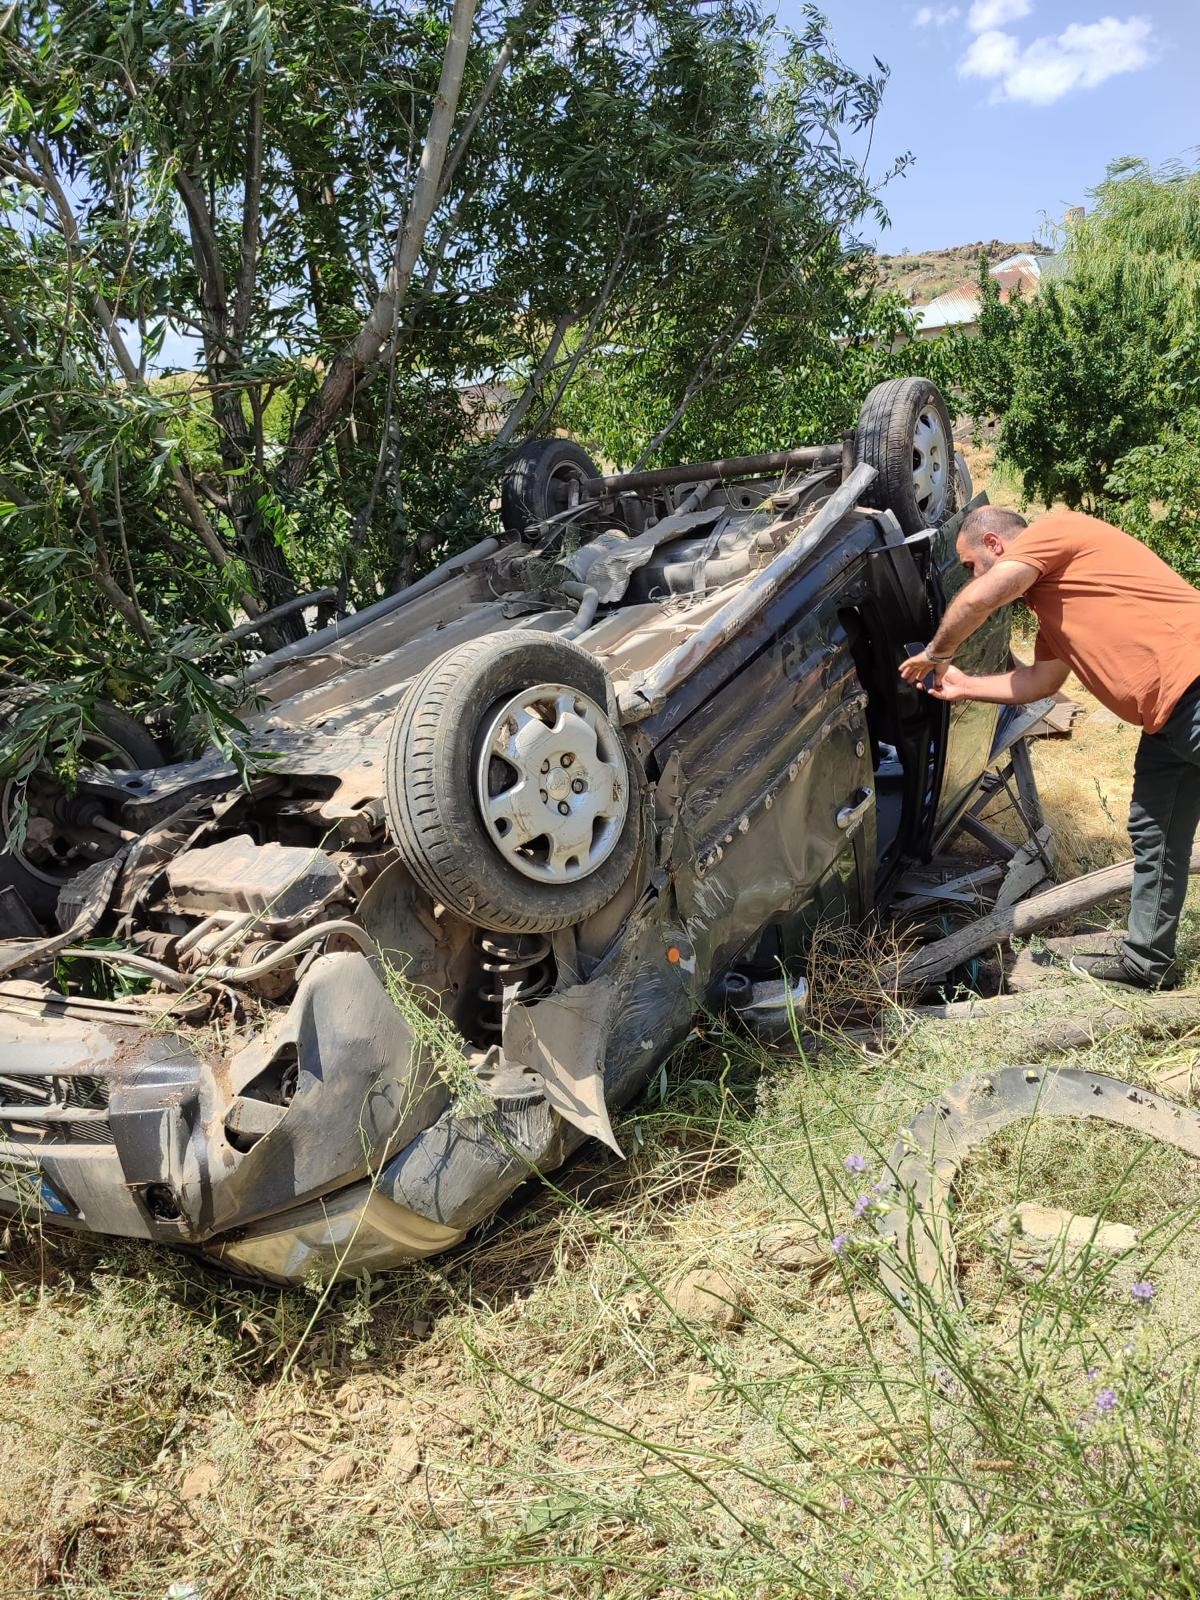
<point>243,299</point>
<point>1027,916</point>
<point>516,416</point>
<point>203,528</point>
<point>347,369</point>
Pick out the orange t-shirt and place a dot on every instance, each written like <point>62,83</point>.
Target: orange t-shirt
<point>1122,620</point>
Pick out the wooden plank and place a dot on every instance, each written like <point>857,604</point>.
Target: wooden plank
<point>1025,871</point>
<point>1028,916</point>
<point>989,838</point>
<point>1031,801</point>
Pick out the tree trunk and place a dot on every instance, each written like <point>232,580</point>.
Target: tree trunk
<point>348,369</point>
<point>236,442</point>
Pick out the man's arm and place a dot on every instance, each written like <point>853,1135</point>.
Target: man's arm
<point>971,606</point>
<point>1016,688</point>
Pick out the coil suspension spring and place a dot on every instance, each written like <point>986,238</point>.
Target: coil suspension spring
<point>519,967</point>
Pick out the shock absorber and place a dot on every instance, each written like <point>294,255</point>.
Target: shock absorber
<point>518,967</point>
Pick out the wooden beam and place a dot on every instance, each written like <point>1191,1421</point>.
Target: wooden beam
<point>934,960</point>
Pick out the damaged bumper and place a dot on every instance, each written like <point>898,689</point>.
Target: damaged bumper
<point>329,1144</point>
<point>126,1127</point>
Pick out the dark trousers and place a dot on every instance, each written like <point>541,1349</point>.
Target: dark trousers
<point>1163,819</point>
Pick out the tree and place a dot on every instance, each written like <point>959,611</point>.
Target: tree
<point>1094,369</point>
<point>357,213</point>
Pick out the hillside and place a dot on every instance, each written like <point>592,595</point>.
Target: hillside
<point>926,273</point>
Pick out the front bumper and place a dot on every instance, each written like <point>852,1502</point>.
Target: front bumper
<point>108,1125</point>
<point>114,1126</point>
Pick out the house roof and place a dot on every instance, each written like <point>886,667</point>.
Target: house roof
<point>953,309</point>
<point>959,307</point>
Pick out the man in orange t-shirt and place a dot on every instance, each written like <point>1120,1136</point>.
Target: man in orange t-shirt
<point>1129,627</point>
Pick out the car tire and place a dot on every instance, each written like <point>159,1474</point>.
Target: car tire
<point>536,483</point>
<point>119,740</point>
<point>904,433</point>
<point>439,758</point>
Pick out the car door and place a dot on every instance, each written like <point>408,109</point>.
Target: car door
<point>775,820</point>
<point>970,724</point>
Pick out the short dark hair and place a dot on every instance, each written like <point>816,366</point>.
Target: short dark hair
<point>991,519</point>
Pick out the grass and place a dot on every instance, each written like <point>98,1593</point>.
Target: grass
<point>531,1416</point>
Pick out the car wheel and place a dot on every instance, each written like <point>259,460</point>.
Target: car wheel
<point>512,797</point>
<point>964,489</point>
<point>537,482</point>
<point>904,433</point>
<point>49,854</point>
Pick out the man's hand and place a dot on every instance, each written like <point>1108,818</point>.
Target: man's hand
<point>954,684</point>
<point>1016,688</point>
<point>918,667</point>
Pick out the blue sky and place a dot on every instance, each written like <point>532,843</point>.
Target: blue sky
<point>1013,108</point>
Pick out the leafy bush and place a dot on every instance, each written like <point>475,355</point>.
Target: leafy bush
<point>1097,381</point>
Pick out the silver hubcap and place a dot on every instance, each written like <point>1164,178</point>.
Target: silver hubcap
<point>931,465</point>
<point>552,784</point>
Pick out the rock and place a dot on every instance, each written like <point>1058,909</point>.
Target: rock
<point>1102,717</point>
<point>707,1296</point>
<point>341,1469</point>
<point>1178,1080</point>
<point>403,1460</point>
<point>792,1248</point>
<point>199,1481</point>
<point>1045,1239</point>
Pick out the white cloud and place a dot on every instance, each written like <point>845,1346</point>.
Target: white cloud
<point>986,14</point>
<point>990,55</point>
<point>936,16</point>
<point>1082,56</point>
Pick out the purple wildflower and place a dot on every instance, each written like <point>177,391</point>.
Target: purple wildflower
<point>1106,1401</point>
<point>1093,1373</point>
<point>862,1205</point>
<point>856,1163</point>
<point>838,1245</point>
<point>1143,1291</point>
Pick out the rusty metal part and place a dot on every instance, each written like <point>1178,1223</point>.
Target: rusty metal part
<point>650,692</point>
<point>87,895</point>
<point>809,455</point>
<point>929,1153</point>
<point>281,954</point>
<point>18,997</point>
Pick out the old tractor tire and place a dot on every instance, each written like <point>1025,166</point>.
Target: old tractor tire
<point>114,739</point>
<point>442,771</point>
<point>904,433</point>
<point>536,483</point>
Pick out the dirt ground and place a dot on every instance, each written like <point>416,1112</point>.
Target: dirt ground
<point>655,1379</point>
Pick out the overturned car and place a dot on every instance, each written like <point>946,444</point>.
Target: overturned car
<point>521,822</point>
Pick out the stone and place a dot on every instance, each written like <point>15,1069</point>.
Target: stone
<point>199,1481</point>
<point>341,1469</point>
<point>1102,717</point>
<point>707,1296</point>
<point>700,1386</point>
<point>403,1460</point>
<point>1046,1239</point>
<point>791,1249</point>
